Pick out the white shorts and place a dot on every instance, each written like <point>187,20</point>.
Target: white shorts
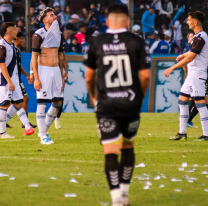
<point>7,96</point>
<point>52,87</point>
<point>194,88</point>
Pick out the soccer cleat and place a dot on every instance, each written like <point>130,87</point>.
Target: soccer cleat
<point>57,124</point>
<point>179,137</point>
<point>6,136</point>
<point>46,140</point>
<point>29,131</point>
<point>8,126</point>
<point>32,125</point>
<point>117,203</point>
<point>190,124</point>
<point>202,138</point>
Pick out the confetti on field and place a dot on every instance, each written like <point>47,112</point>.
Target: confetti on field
<point>70,195</point>
<point>181,168</point>
<point>73,180</point>
<point>33,185</point>
<point>78,173</point>
<point>104,203</point>
<point>148,183</point>
<point>196,165</point>
<point>175,180</point>
<point>140,165</point>
<point>146,175</point>
<point>3,175</point>
<point>53,178</point>
<point>12,178</point>
<point>190,181</point>
<point>146,187</point>
<point>161,186</point>
<point>142,178</point>
<point>205,165</point>
<point>149,134</point>
<point>177,190</point>
<point>191,178</point>
<point>204,172</point>
<point>163,176</point>
<point>157,177</point>
<point>184,164</point>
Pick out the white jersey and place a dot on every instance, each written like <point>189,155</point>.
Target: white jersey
<point>198,67</point>
<point>8,56</point>
<point>6,7</point>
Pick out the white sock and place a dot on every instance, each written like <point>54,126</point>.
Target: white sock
<point>51,115</point>
<point>23,118</point>
<point>40,117</point>
<point>124,189</point>
<point>57,119</point>
<point>12,110</point>
<point>115,195</point>
<point>184,114</point>
<point>203,117</point>
<point>3,113</point>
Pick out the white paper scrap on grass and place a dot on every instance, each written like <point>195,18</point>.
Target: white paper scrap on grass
<point>161,186</point>
<point>104,203</point>
<point>12,178</point>
<point>146,187</point>
<point>184,164</point>
<point>157,177</point>
<point>70,195</point>
<point>181,168</point>
<point>33,185</point>
<point>195,165</point>
<point>148,183</point>
<point>190,181</point>
<point>140,165</point>
<point>3,174</point>
<point>177,190</point>
<point>73,180</point>
<point>53,178</point>
<point>204,172</point>
<point>175,180</point>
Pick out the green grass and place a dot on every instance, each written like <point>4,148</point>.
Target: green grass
<point>77,149</point>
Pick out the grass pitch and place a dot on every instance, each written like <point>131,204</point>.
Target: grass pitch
<point>77,150</point>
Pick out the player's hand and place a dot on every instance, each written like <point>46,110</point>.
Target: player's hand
<point>28,78</point>
<point>179,58</point>
<point>37,84</point>
<point>65,76</point>
<point>32,78</point>
<point>11,86</point>
<point>168,71</point>
<point>63,83</point>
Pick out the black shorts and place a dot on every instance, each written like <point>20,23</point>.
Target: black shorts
<point>112,129</point>
<point>206,87</point>
<point>23,89</point>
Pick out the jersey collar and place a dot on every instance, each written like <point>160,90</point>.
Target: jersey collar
<point>116,31</point>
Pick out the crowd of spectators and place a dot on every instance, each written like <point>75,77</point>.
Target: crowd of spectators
<point>80,21</point>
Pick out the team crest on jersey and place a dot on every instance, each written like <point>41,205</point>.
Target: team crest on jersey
<point>44,94</point>
<point>107,125</point>
<point>116,40</point>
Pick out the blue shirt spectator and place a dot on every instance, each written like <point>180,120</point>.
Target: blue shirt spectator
<point>151,38</point>
<point>66,16</point>
<point>148,20</point>
<point>102,19</point>
<point>160,46</point>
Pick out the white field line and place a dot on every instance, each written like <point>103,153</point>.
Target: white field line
<point>46,159</point>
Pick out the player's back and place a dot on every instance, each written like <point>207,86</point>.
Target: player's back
<point>118,56</point>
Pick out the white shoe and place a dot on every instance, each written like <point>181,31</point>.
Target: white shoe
<point>117,203</point>
<point>6,136</point>
<point>57,124</point>
<point>125,200</point>
<point>141,6</point>
<point>46,140</point>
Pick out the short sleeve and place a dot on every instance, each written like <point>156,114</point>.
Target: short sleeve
<point>176,24</point>
<point>90,57</point>
<point>36,42</point>
<point>197,46</point>
<point>61,48</point>
<point>2,54</point>
<point>144,56</point>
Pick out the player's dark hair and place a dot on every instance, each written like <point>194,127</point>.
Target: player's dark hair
<point>82,25</point>
<point>74,38</point>
<point>5,26</point>
<point>118,9</point>
<point>43,13</point>
<point>161,36</point>
<point>197,15</point>
<point>19,34</point>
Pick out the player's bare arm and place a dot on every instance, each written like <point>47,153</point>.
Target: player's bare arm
<point>61,65</point>
<point>90,82</point>
<point>144,78</point>
<point>183,62</point>
<point>34,63</point>
<point>182,56</point>
<point>5,73</point>
<point>185,69</point>
<point>65,69</point>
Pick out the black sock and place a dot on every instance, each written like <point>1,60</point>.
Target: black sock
<point>207,106</point>
<point>191,105</point>
<point>193,113</point>
<point>60,110</point>
<point>126,165</point>
<point>27,114</point>
<point>112,170</point>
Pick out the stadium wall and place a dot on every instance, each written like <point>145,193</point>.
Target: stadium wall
<point>162,95</point>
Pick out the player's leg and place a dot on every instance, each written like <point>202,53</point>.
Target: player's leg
<point>192,113</point>
<point>57,119</point>
<point>109,129</point>
<point>129,129</point>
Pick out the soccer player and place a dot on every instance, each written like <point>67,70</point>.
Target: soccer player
<point>194,85</point>
<point>18,42</point>
<point>47,64</point>
<point>10,90</point>
<point>123,74</point>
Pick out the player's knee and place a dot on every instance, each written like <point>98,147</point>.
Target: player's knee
<point>19,105</point>
<point>57,106</point>
<point>26,98</point>
<point>181,102</point>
